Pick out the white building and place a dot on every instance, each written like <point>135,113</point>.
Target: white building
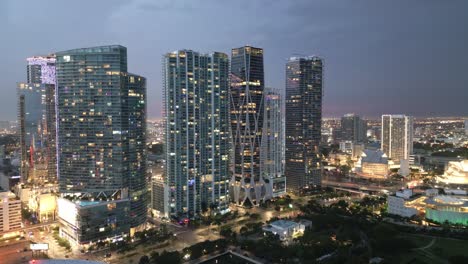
<point>397,204</point>
<point>397,136</point>
<point>10,214</point>
<point>287,229</point>
<point>272,150</point>
<point>456,172</point>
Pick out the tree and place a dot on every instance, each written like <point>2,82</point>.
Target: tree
<point>144,260</point>
<point>172,257</point>
<point>458,259</point>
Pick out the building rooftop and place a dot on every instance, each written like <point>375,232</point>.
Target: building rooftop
<point>283,224</point>
<point>374,156</point>
<point>449,200</point>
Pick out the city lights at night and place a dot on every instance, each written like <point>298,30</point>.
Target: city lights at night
<point>300,131</point>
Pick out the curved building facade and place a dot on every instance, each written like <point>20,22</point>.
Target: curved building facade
<point>453,209</point>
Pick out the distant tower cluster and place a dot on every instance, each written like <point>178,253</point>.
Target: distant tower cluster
<point>196,91</point>
<point>304,92</point>
<point>397,137</point>
<point>82,119</point>
<point>36,118</point>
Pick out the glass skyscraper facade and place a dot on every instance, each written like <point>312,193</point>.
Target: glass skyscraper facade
<point>397,137</point>
<point>272,148</point>
<point>304,92</point>
<point>36,117</point>
<point>353,128</point>
<point>247,88</point>
<point>196,92</point>
<point>101,115</point>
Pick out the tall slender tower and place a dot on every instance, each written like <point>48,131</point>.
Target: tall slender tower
<point>304,92</point>
<point>272,149</point>
<point>196,92</point>
<point>247,84</point>
<point>397,136</point>
<point>101,113</point>
<point>36,116</point>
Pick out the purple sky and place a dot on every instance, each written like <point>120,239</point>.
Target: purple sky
<point>395,56</point>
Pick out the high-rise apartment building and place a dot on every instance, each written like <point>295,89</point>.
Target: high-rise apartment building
<point>159,197</point>
<point>304,92</point>
<point>36,118</point>
<point>247,85</point>
<point>397,136</point>
<point>272,148</point>
<point>101,126</point>
<point>196,92</point>
<point>353,128</point>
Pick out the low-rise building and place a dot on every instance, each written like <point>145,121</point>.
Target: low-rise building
<point>286,229</point>
<point>353,148</point>
<point>159,197</point>
<point>397,204</point>
<point>10,214</point>
<point>437,208</point>
<point>445,208</point>
<point>372,164</point>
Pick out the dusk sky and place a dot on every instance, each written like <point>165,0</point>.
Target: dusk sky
<point>395,56</point>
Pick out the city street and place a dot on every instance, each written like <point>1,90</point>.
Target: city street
<point>13,252</point>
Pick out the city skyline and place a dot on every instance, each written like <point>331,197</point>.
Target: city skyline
<point>364,54</point>
<point>301,131</point>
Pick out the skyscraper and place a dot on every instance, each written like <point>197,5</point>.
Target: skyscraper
<point>247,84</point>
<point>36,116</point>
<point>353,128</point>
<point>304,92</point>
<point>397,136</point>
<point>272,148</point>
<point>101,114</point>
<point>196,92</point>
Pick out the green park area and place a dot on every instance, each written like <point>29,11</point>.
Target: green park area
<point>434,250</point>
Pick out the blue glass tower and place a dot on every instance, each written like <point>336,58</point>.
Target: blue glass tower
<point>101,116</point>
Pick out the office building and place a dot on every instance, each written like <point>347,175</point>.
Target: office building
<point>247,88</point>
<point>101,114</point>
<point>304,92</point>
<point>196,93</point>
<point>272,149</point>
<point>353,128</point>
<point>397,137</point>
<point>10,215</point>
<point>36,117</point>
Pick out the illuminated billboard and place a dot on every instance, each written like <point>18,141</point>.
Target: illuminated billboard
<point>39,246</point>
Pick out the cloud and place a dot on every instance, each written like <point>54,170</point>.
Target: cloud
<point>407,52</point>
